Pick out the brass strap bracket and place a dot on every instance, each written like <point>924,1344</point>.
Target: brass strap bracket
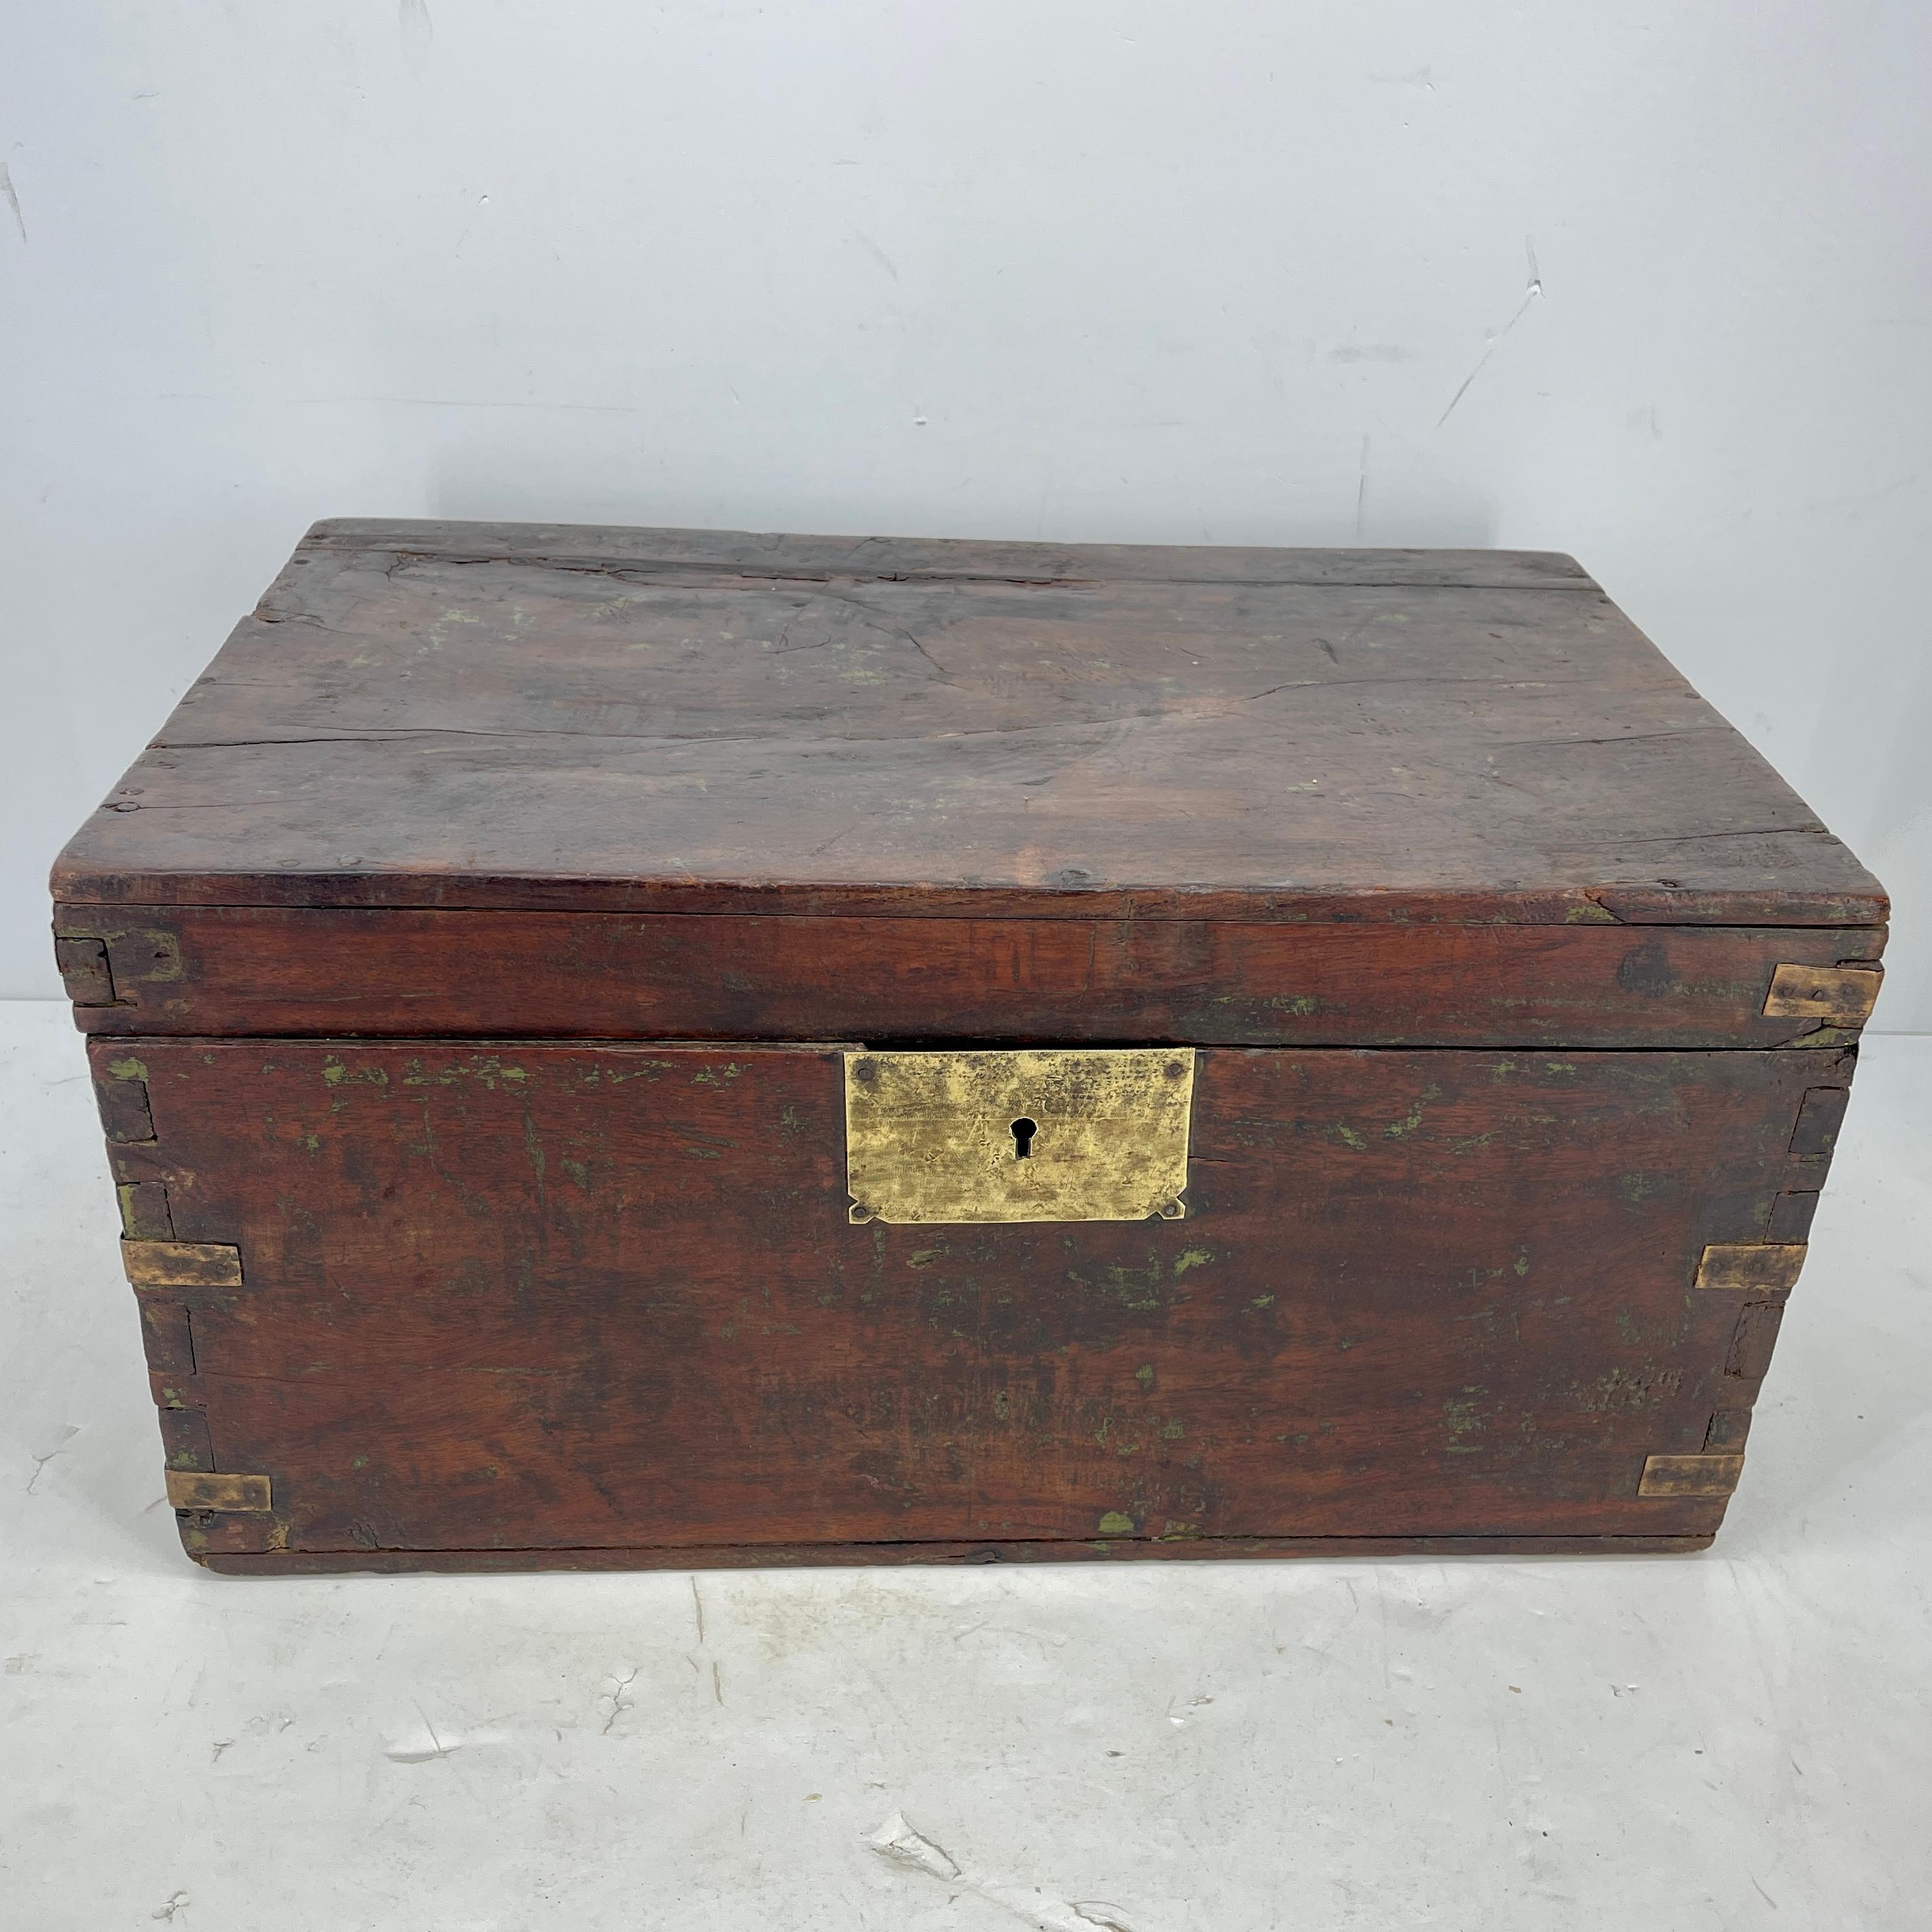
<point>1751,1267</point>
<point>201,1490</point>
<point>1700,1475</point>
<point>182,1263</point>
<point>1838,995</point>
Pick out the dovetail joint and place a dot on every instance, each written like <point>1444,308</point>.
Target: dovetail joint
<point>85,969</point>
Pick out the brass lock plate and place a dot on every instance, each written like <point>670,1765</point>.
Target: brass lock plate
<point>1096,1134</point>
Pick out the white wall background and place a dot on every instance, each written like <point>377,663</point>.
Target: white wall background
<point>1650,283</point>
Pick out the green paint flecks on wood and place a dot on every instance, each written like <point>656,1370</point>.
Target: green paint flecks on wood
<point>336,1073</point>
<point>129,1069</point>
<point>1464,1416</point>
<point>1192,1258</point>
<point>1647,1387</point>
<point>1410,1121</point>
<point>487,1069</point>
<point>1350,1137</point>
<point>1301,1004</point>
<point>1115,1524</point>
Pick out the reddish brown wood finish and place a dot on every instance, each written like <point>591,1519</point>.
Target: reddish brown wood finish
<point>805,1556</point>
<point>538,1298</point>
<point>1473,904</point>
<point>274,971</point>
<point>438,716</point>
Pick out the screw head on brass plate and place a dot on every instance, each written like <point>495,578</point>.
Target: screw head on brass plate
<point>1079,1134</point>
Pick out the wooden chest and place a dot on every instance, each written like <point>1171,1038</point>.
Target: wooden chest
<point>628,1047</point>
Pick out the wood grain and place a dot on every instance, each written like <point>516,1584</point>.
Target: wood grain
<point>805,1555</point>
<point>537,1297</point>
<point>273,970</point>
<point>636,721</point>
<point>1494,939</point>
<point>784,556</point>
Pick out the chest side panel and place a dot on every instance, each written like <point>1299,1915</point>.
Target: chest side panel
<point>518,1297</point>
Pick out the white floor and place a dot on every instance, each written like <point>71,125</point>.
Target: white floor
<point>1738,1739</point>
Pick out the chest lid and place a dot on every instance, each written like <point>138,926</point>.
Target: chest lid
<point>458,778</point>
<point>471,715</point>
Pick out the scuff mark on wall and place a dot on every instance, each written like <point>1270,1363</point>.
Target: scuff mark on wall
<point>13,199</point>
<point>1533,292</point>
<point>877,253</point>
<point>417,31</point>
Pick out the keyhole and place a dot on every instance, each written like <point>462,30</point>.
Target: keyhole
<point>1024,1130</point>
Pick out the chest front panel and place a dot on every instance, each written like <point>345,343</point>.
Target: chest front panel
<point>501,1297</point>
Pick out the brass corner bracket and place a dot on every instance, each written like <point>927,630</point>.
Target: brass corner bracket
<point>1840,995</point>
<point>199,1489</point>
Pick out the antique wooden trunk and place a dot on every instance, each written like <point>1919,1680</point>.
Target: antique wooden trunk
<point>666,1047</point>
